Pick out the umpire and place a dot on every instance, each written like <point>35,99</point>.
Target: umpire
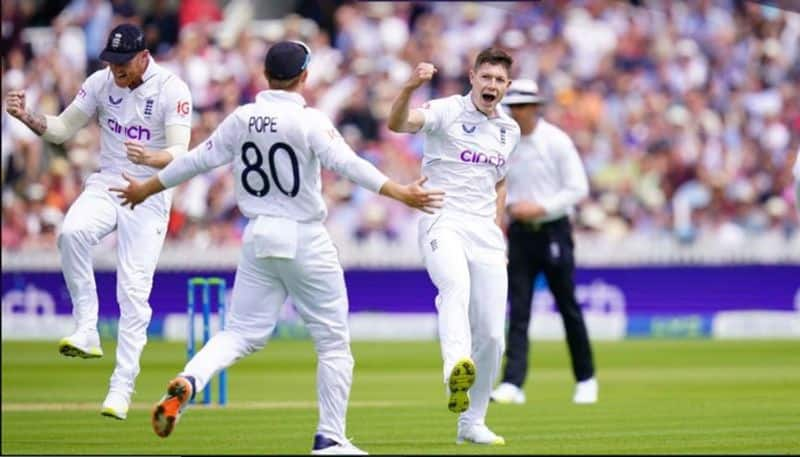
<point>545,179</point>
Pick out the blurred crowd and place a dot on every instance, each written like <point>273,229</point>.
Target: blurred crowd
<point>686,114</point>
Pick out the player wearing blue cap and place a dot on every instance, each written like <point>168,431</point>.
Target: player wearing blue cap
<point>144,113</point>
<point>277,146</point>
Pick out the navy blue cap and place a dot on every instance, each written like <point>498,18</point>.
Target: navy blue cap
<point>287,59</point>
<point>123,43</point>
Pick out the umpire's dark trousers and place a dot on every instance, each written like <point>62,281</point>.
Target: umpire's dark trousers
<point>548,248</point>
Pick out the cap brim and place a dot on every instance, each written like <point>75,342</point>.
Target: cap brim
<point>518,99</point>
<point>117,57</point>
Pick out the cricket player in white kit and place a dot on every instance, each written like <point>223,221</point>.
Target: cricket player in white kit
<point>468,141</point>
<point>277,145</point>
<point>144,113</point>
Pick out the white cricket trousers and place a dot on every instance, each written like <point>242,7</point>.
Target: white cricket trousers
<point>140,235</point>
<point>315,281</point>
<point>465,258</point>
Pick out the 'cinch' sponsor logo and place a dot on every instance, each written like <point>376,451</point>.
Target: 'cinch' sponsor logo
<point>134,132</point>
<point>479,157</point>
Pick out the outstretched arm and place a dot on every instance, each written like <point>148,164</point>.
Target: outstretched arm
<point>335,154</point>
<point>177,144</point>
<point>414,195</point>
<point>197,161</point>
<point>137,192</point>
<point>400,118</point>
<point>55,129</point>
<point>340,158</point>
<point>213,152</point>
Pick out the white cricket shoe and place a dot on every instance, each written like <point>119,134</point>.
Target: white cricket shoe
<point>116,405</point>
<point>478,434</point>
<point>326,446</point>
<point>507,393</point>
<point>83,343</point>
<point>586,392</point>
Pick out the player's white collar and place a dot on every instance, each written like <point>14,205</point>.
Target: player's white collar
<point>151,70</point>
<point>474,109</point>
<point>273,94</point>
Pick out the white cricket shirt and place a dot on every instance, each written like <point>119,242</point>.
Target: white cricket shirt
<point>139,114</point>
<point>277,145</point>
<point>466,153</point>
<point>547,169</point>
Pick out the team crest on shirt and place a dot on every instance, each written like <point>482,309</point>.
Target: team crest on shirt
<point>148,107</point>
<point>468,129</point>
<point>502,135</point>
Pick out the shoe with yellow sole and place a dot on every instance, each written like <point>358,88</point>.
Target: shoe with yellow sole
<point>462,377</point>
<point>85,345</point>
<point>479,434</point>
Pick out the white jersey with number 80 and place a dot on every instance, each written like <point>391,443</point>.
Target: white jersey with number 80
<point>277,146</point>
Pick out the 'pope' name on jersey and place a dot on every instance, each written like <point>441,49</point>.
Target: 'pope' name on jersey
<point>263,124</point>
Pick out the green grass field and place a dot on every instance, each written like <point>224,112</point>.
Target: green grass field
<point>656,397</point>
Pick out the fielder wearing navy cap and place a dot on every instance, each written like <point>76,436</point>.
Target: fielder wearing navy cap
<point>124,42</point>
<point>286,59</point>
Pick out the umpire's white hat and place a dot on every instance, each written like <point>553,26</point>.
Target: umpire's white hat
<point>523,91</point>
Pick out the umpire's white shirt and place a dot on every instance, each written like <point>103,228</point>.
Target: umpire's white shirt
<point>466,153</point>
<point>547,169</point>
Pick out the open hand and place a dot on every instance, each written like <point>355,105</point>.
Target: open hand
<point>425,200</point>
<point>132,195</point>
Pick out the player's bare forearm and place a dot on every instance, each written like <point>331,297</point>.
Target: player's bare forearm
<point>414,195</point>
<point>400,119</point>
<point>159,159</point>
<point>500,188</point>
<point>152,186</point>
<point>15,106</point>
<point>34,121</point>
<point>398,116</point>
<point>393,190</point>
<point>137,192</point>
<point>141,156</point>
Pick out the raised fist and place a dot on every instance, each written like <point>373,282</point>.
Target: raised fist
<point>422,74</point>
<point>15,103</point>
